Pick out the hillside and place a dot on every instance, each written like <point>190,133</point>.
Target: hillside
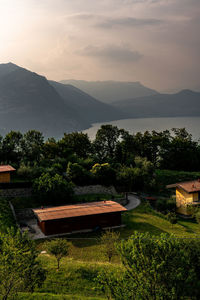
<point>29,101</point>
<point>184,103</point>
<point>92,109</point>
<point>109,91</point>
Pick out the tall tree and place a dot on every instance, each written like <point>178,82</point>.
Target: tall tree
<point>19,267</point>
<point>77,142</point>
<point>106,141</point>
<point>11,147</point>
<point>32,145</point>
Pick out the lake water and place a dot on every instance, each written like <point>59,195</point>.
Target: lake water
<point>192,125</point>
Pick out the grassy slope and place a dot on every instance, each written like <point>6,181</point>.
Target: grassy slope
<point>86,258</point>
<point>145,219</point>
<point>50,296</point>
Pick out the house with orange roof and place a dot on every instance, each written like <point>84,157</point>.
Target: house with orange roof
<point>78,217</point>
<point>5,173</point>
<point>187,194</point>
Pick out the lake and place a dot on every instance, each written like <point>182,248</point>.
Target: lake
<point>192,125</point>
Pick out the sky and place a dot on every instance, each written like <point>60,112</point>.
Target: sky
<point>156,42</point>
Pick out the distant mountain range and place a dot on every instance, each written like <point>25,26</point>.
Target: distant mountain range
<point>30,101</point>
<point>90,108</point>
<point>109,91</point>
<point>184,103</point>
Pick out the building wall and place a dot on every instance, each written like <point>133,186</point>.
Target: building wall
<point>80,223</point>
<point>182,200</point>
<point>196,197</point>
<point>5,177</point>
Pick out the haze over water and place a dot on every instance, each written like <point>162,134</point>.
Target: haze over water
<point>192,125</point>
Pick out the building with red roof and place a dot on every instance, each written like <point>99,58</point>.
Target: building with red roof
<point>5,171</point>
<point>84,216</point>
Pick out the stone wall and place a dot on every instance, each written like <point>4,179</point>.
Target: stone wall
<point>22,192</point>
<point>94,189</point>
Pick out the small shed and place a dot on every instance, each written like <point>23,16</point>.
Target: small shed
<point>187,193</point>
<point>69,218</point>
<point>5,171</point>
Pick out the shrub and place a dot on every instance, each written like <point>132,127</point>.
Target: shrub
<point>53,189</point>
<point>172,218</point>
<point>165,205</point>
<point>197,217</point>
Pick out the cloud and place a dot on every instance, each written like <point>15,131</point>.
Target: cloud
<point>128,22</point>
<point>112,53</point>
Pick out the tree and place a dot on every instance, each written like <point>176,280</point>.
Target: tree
<point>106,141</point>
<point>78,174</point>
<point>59,248</point>
<point>138,176</point>
<point>53,188</point>
<point>50,148</point>
<point>182,153</point>
<point>76,142</point>
<point>155,267</point>
<point>19,267</point>
<point>108,241</point>
<point>11,147</point>
<point>32,145</point>
<point>104,174</point>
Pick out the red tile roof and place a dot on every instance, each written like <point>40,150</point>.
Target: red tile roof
<point>188,186</point>
<point>6,168</point>
<point>84,209</point>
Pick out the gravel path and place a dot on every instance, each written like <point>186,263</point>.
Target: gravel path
<point>134,201</point>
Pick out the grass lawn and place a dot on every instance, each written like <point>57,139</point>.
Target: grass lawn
<point>74,277</point>
<point>145,219</point>
<point>50,296</point>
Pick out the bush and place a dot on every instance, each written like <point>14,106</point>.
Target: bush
<point>6,216</point>
<point>197,217</point>
<point>172,218</point>
<point>53,189</point>
<point>104,174</point>
<point>155,267</point>
<point>78,174</point>
<point>165,205</point>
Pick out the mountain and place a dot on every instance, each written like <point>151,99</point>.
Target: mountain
<point>28,101</point>
<point>93,110</point>
<point>183,103</point>
<point>109,91</point>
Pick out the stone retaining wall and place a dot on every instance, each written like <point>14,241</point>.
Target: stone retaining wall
<point>94,189</point>
<point>23,192</point>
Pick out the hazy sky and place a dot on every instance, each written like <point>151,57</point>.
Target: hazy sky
<point>156,42</point>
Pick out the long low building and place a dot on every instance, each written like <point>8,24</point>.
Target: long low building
<point>69,218</point>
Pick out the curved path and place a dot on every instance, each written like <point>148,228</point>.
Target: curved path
<point>134,201</point>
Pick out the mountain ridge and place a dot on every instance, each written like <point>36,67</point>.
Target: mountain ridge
<point>185,103</point>
<point>109,91</point>
<point>29,101</point>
